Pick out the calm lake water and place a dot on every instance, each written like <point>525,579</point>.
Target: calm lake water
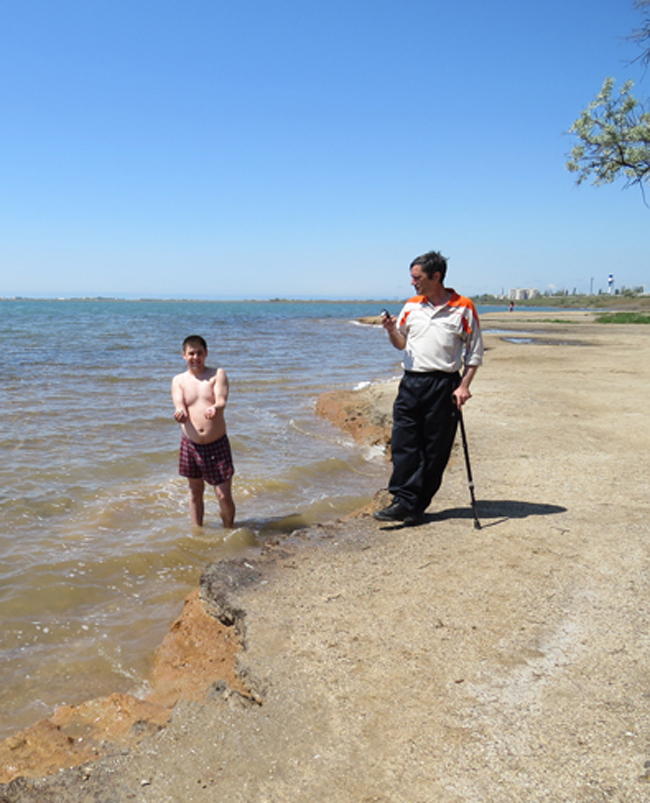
<point>96,547</point>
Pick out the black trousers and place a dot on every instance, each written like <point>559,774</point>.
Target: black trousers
<point>425,419</point>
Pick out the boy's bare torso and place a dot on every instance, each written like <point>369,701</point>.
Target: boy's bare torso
<point>202,400</point>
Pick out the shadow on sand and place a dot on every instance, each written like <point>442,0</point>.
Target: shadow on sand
<point>490,513</point>
<point>496,511</point>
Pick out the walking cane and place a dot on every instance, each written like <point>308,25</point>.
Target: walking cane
<point>477,523</point>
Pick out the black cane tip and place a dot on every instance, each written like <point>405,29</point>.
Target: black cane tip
<point>477,525</point>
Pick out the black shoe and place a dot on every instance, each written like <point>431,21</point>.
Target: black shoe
<point>394,512</point>
<point>413,519</point>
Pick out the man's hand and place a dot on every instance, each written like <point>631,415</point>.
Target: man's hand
<point>210,412</point>
<point>461,395</point>
<point>180,415</point>
<point>389,322</point>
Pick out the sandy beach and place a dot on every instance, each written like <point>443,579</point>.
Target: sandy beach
<point>357,661</point>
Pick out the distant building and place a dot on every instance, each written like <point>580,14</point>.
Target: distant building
<point>522,293</point>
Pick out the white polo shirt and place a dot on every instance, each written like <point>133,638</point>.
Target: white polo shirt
<point>442,338</point>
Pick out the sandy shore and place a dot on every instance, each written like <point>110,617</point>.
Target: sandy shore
<point>369,662</point>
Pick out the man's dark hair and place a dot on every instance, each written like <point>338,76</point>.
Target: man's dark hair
<point>432,262</point>
<point>194,340</point>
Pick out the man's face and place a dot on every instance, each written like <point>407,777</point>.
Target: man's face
<point>195,357</point>
<point>422,283</point>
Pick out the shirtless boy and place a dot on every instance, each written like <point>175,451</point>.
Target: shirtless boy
<point>200,395</point>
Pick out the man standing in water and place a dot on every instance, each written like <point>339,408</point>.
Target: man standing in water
<point>439,333</point>
<point>200,395</point>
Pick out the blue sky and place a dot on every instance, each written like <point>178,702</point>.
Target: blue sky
<point>249,149</point>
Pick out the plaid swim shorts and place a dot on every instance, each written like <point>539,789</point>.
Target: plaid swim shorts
<point>211,461</point>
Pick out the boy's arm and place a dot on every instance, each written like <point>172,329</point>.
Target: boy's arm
<point>220,394</point>
<point>180,412</point>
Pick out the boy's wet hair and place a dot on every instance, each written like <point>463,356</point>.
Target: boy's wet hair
<point>194,340</point>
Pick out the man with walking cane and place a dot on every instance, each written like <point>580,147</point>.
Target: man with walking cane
<point>439,333</point>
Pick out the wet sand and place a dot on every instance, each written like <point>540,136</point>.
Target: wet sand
<point>442,662</point>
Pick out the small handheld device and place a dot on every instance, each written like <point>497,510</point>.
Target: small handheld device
<point>385,313</point>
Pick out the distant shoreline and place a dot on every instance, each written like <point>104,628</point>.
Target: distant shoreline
<point>618,302</point>
<point>208,300</point>
<point>601,302</point>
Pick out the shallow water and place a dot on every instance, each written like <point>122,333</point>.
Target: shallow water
<point>97,551</point>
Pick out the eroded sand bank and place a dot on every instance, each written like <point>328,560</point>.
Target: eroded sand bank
<point>442,662</point>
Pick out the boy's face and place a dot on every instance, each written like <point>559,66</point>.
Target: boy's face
<point>195,357</point>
